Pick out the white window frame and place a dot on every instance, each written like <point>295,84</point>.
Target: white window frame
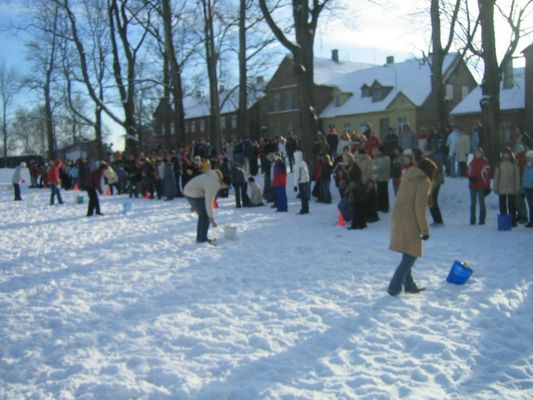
<point>234,121</point>
<point>202,125</point>
<point>449,91</point>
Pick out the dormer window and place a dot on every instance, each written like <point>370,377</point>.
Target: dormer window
<point>365,91</point>
<point>338,100</point>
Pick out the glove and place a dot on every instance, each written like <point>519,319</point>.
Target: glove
<point>296,188</point>
<point>425,237</point>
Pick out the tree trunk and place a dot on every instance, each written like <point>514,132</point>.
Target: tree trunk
<point>49,121</point>
<point>243,76</point>
<point>4,130</point>
<point>215,135</point>
<point>490,102</point>
<point>175,76</point>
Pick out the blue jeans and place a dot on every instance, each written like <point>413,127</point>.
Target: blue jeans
<point>482,209</point>
<point>303,188</point>
<point>402,276</point>
<point>198,205</point>
<point>54,191</point>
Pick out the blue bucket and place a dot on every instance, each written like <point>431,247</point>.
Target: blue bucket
<point>459,273</point>
<point>504,222</point>
<point>126,207</point>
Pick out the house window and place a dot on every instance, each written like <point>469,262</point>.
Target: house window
<point>202,125</point>
<point>365,91</point>
<point>464,91</point>
<point>277,102</point>
<point>234,121</point>
<point>187,127</point>
<point>277,130</point>
<point>400,122</point>
<point>338,101</point>
<point>288,98</point>
<point>223,122</point>
<point>505,132</point>
<point>449,91</point>
<point>347,126</point>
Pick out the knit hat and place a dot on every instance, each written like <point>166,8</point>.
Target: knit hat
<point>22,164</point>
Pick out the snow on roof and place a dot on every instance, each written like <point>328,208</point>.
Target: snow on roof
<point>198,106</point>
<point>510,99</point>
<point>411,77</point>
<point>328,72</point>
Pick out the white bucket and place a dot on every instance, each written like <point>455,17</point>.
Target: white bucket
<point>230,232</point>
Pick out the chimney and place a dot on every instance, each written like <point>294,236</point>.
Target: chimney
<point>508,78</point>
<point>335,55</point>
<point>390,60</point>
<point>259,80</point>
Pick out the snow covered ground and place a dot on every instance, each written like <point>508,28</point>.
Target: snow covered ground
<point>127,306</point>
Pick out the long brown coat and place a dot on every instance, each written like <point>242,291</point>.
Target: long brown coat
<point>507,178</point>
<point>408,220</point>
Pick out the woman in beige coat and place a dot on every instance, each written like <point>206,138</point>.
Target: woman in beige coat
<point>507,183</point>
<point>409,225</point>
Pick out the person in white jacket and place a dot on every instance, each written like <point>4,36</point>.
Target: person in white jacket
<point>200,192</point>
<point>301,180</point>
<point>16,179</point>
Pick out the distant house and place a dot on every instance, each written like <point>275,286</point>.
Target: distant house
<point>392,95</point>
<point>282,114</point>
<point>198,116</point>
<point>84,149</point>
<point>512,105</point>
<point>516,101</point>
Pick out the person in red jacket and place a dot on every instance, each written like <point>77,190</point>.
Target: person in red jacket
<point>280,183</point>
<point>479,174</point>
<point>54,181</point>
<point>92,184</point>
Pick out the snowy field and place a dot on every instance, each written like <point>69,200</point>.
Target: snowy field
<point>127,306</point>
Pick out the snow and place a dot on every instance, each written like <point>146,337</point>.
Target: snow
<point>510,99</point>
<point>128,306</point>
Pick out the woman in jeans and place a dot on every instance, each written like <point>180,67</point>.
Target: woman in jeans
<point>409,225</point>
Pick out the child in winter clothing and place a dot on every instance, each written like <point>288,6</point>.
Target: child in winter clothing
<point>92,184</point>
<point>507,183</point>
<point>279,183</point>
<point>256,198</point>
<point>479,174</point>
<point>54,181</point>
<point>16,179</point>
<point>527,185</point>
<point>301,177</point>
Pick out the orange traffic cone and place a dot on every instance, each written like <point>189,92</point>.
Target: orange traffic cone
<point>76,188</point>
<point>107,191</point>
<point>215,204</point>
<point>340,220</point>
<point>147,195</point>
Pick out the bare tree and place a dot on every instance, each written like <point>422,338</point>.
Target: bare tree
<point>515,16</point>
<point>252,41</point>
<point>9,86</point>
<point>305,24</point>
<point>43,53</point>
<point>437,56</point>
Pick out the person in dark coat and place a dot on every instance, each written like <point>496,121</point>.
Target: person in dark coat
<point>169,180</point>
<point>92,184</point>
<point>238,181</point>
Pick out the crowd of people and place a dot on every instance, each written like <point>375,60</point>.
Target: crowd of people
<point>360,165</point>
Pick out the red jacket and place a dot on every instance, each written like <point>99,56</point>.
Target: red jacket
<point>280,175</point>
<point>479,174</point>
<point>54,176</point>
